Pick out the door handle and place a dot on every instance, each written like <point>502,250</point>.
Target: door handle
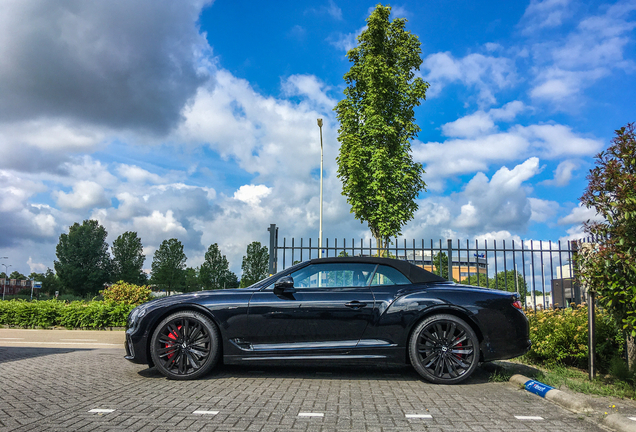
<point>355,304</point>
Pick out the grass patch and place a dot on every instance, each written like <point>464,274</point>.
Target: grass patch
<point>577,380</point>
<point>500,375</point>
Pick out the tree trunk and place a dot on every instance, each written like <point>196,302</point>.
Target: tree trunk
<point>631,352</point>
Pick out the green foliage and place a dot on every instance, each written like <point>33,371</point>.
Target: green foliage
<point>83,261</point>
<point>50,281</point>
<point>504,280</point>
<point>377,122</point>
<point>168,265</point>
<point>440,263</point>
<point>17,275</point>
<point>191,280</point>
<point>126,293</point>
<point>53,313</point>
<point>559,337</point>
<point>128,259</point>
<point>609,266</point>
<point>255,264</point>
<point>215,271</point>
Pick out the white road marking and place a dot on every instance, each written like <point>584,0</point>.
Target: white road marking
<point>307,414</point>
<point>80,340</point>
<point>632,418</point>
<point>422,416</point>
<point>205,412</point>
<point>101,410</point>
<point>11,338</point>
<point>71,343</point>
<point>528,418</point>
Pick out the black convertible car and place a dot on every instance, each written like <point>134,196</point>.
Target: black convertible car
<point>333,309</point>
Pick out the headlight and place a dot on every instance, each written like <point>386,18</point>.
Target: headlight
<point>136,314</point>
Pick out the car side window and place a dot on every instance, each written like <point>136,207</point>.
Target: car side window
<point>333,275</point>
<point>386,275</point>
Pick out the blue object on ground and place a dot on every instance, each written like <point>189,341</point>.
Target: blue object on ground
<point>537,387</point>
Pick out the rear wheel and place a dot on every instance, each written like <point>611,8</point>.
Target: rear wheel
<point>185,345</point>
<point>444,349</point>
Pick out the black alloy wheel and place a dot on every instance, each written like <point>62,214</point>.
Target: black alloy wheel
<point>185,345</point>
<point>444,349</point>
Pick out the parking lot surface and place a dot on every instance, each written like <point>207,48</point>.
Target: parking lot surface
<point>51,388</point>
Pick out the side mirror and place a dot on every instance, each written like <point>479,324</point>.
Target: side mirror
<point>284,285</point>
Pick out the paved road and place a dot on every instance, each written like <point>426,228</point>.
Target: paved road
<point>55,387</point>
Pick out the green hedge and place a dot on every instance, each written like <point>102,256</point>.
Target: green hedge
<point>55,313</point>
<point>559,337</point>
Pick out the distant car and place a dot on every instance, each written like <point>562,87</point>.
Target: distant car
<point>330,310</point>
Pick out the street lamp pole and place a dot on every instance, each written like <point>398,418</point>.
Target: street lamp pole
<point>6,274</point>
<point>320,231</point>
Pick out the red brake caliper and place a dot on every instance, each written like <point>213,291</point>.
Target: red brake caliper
<point>172,336</point>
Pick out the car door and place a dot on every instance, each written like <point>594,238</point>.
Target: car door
<point>329,307</point>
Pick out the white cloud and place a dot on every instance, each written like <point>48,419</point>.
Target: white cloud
<point>544,14</point>
<point>580,214</point>
<point>310,87</point>
<point>85,195</point>
<point>135,174</point>
<point>36,267</point>
<point>481,145</point>
<point>566,66</point>
<point>487,74</point>
<point>563,172</point>
<point>346,41</point>
<point>252,194</point>
<point>543,210</point>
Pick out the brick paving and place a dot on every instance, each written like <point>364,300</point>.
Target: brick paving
<point>53,389</point>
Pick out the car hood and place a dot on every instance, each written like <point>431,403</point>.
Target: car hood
<point>196,296</point>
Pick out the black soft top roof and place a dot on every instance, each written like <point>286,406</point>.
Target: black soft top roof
<point>414,273</point>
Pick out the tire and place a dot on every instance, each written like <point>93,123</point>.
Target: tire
<point>185,345</point>
<point>444,349</point>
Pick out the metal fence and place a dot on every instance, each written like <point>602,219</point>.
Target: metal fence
<point>542,272</point>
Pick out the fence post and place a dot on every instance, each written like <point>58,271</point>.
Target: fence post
<point>273,248</point>
<point>591,330</point>
<point>450,259</point>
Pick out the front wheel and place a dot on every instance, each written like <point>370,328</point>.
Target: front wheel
<point>185,345</point>
<point>444,349</point>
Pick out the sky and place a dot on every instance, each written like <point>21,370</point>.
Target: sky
<point>196,119</point>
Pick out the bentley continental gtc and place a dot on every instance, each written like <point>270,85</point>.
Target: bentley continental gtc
<point>323,311</point>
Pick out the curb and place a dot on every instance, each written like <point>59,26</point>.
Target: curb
<point>575,403</point>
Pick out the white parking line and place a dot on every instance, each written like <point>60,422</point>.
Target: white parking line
<point>101,410</point>
<point>11,338</point>
<point>307,414</point>
<point>421,416</point>
<point>72,343</point>
<point>205,412</point>
<point>528,418</point>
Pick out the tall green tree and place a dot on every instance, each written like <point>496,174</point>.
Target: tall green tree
<point>83,262</point>
<point>191,280</point>
<point>440,264</point>
<point>128,259</point>
<point>609,266</point>
<point>255,264</point>
<point>215,271</point>
<point>168,265</point>
<point>377,122</point>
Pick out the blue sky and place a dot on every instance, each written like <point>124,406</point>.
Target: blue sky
<point>197,120</point>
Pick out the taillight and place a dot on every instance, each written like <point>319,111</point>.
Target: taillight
<point>517,304</point>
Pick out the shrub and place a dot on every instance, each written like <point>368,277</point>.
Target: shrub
<point>559,337</point>
<point>126,294</point>
<point>50,313</point>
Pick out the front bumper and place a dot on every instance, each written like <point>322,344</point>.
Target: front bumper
<point>135,346</point>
